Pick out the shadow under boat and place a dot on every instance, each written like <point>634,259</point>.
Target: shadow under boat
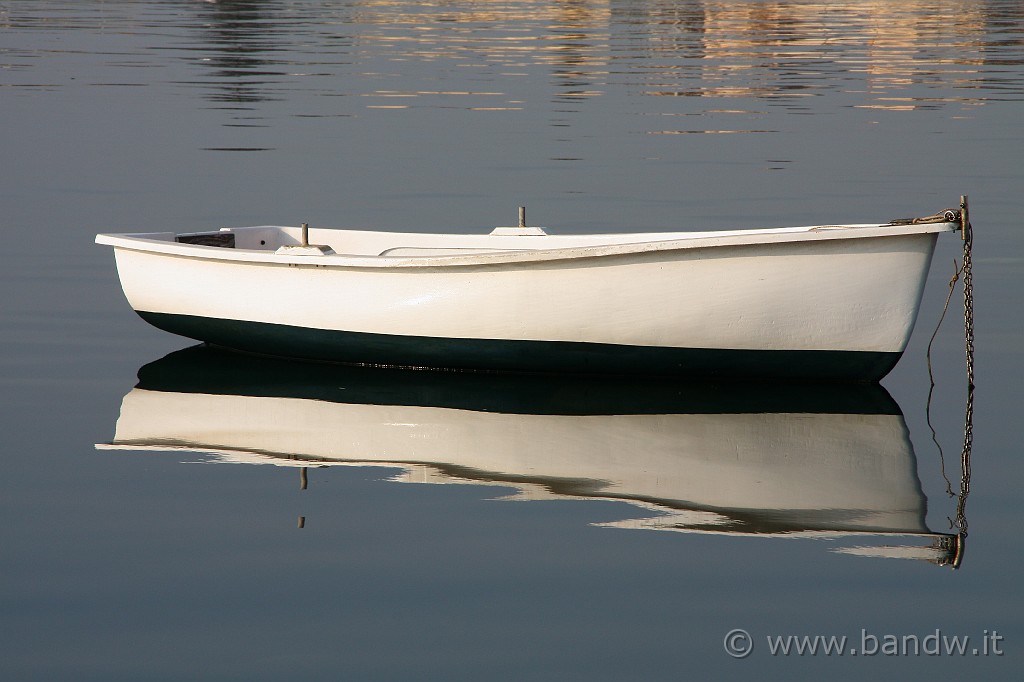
<point>832,461</point>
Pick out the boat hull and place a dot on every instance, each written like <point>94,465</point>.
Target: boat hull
<point>826,308</point>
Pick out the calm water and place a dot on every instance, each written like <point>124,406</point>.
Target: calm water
<point>154,521</point>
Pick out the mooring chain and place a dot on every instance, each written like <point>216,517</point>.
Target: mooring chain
<point>965,455</point>
<point>969,304</point>
<point>965,271</point>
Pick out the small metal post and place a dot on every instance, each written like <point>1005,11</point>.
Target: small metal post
<point>522,216</point>
<point>305,234</point>
<point>965,220</point>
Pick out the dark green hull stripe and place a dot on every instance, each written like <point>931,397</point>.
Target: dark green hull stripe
<point>531,356</point>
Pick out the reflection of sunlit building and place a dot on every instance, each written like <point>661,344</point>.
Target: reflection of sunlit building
<point>507,39</point>
<point>786,50</point>
<point>901,44</point>
<point>882,54</point>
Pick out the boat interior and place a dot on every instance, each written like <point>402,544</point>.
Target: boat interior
<point>405,244</point>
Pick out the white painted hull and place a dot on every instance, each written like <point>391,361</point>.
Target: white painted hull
<point>852,291</point>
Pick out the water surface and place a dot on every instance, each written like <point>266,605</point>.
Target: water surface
<point>152,497</point>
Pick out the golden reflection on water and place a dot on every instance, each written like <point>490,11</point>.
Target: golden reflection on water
<point>776,51</point>
<point>739,57</point>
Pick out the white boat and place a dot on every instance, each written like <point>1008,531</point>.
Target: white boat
<point>826,302</point>
<point>813,460</point>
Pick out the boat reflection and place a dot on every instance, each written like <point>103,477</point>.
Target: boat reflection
<point>757,460</point>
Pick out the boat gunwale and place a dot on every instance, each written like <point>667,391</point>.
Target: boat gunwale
<point>675,241</point>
